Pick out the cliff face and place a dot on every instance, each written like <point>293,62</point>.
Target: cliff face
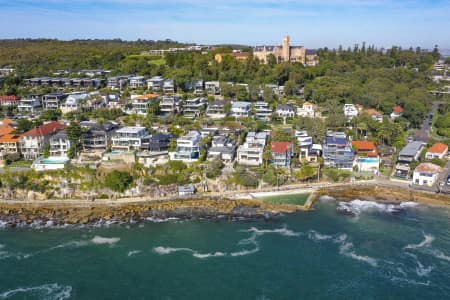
<point>15,214</point>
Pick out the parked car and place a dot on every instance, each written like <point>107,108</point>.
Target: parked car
<point>448,180</point>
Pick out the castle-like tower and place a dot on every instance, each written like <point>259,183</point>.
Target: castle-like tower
<point>286,52</point>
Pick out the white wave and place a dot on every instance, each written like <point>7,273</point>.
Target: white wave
<point>133,252</point>
<point>358,206</point>
<point>161,220</point>
<point>244,252</point>
<point>167,250</point>
<point>315,236</point>
<point>282,231</point>
<point>206,255</point>
<point>423,271</point>
<point>51,291</point>
<point>428,239</point>
<point>98,240</point>
<point>410,281</point>
<point>439,254</point>
<point>345,249</point>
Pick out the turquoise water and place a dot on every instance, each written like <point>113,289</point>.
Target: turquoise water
<point>361,250</point>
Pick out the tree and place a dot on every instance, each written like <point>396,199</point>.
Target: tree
<point>118,181</point>
<point>46,150</point>
<point>75,134</point>
<point>24,125</point>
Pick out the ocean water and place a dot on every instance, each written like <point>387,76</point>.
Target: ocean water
<point>356,250</point>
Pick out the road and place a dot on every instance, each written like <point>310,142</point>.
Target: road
<point>424,133</point>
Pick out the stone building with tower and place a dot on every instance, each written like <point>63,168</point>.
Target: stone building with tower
<point>286,52</point>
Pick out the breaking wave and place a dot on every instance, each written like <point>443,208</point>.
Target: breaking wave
<point>282,231</point>
<point>51,291</point>
<point>133,252</point>
<point>356,207</point>
<point>346,249</point>
<point>315,236</point>
<point>439,254</point>
<point>428,239</point>
<point>98,240</point>
<point>168,250</point>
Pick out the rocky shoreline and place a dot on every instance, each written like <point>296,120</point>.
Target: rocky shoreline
<point>58,214</point>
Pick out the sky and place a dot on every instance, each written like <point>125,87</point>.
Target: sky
<point>312,23</point>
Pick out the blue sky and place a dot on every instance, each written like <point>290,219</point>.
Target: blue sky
<point>313,23</point>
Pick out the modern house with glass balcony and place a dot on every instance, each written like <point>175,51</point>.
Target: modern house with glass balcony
<point>338,152</point>
<point>188,147</point>
<point>129,138</point>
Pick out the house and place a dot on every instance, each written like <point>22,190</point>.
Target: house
<point>262,111</point>
<point>188,147</point>
<point>305,143</point>
<point>216,109</point>
<point>53,100</point>
<point>199,87</point>
<point>426,174</point>
<point>32,142</point>
<point>251,152</point>
<point>338,152</point>
<point>222,148</point>
<point>137,82</point>
<point>307,110</point>
<point>73,102</point>
<point>367,158</point>
<point>9,101</point>
<point>397,111</point>
<point>30,103</point>
<point>129,138</point>
<point>170,105</point>
<point>9,144</point>
<point>212,87</point>
<point>240,109</point>
<point>281,153</point>
<point>193,108</point>
<point>141,103</point>
<point>438,150</point>
<point>375,114</point>
<point>97,137</point>
<point>158,143</point>
<point>408,154</point>
<point>168,86</point>
<point>117,82</point>
<point>350,111</point>
<point>155,83</point>
<point>59,144</point>
<point>285,111</point>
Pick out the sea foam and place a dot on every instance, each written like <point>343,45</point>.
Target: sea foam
<point>98,240</point>
<point>281,231</point>
<point>356,207</point>
<point>51,291</point>
<point>428,239</point>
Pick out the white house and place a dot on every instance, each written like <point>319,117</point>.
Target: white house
<point>73,102</point>
<point>137,82</point>
<point>129,138</point>
<point>188,147</point>
<point>240,109</point>
<point>350,111</point>
<point>30,103</point>
<point>251,152</point>
<point>212,87</point>
<point>285,111</point>
<point>262,111</point>
<point>426,174</point>
<point>155,83</point>
<point>436,151</point>
<point>170,105</point>
<point>307,110</point>
<point>168,86</point>
<point>397,111</point>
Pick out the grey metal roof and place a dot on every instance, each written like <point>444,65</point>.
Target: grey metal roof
<point>411,149</point>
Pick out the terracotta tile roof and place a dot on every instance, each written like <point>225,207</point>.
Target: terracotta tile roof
<point>147,96</point>
<point>397,109</point>
<point>5,126</point>
<point>438,148</point>
<point>10,138</point>
<point>281,147</point>
<point>364,145</point>
<point>9,98</point>
<point>6,122</point>
<point>45,129</point>
<point>428,168</point>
